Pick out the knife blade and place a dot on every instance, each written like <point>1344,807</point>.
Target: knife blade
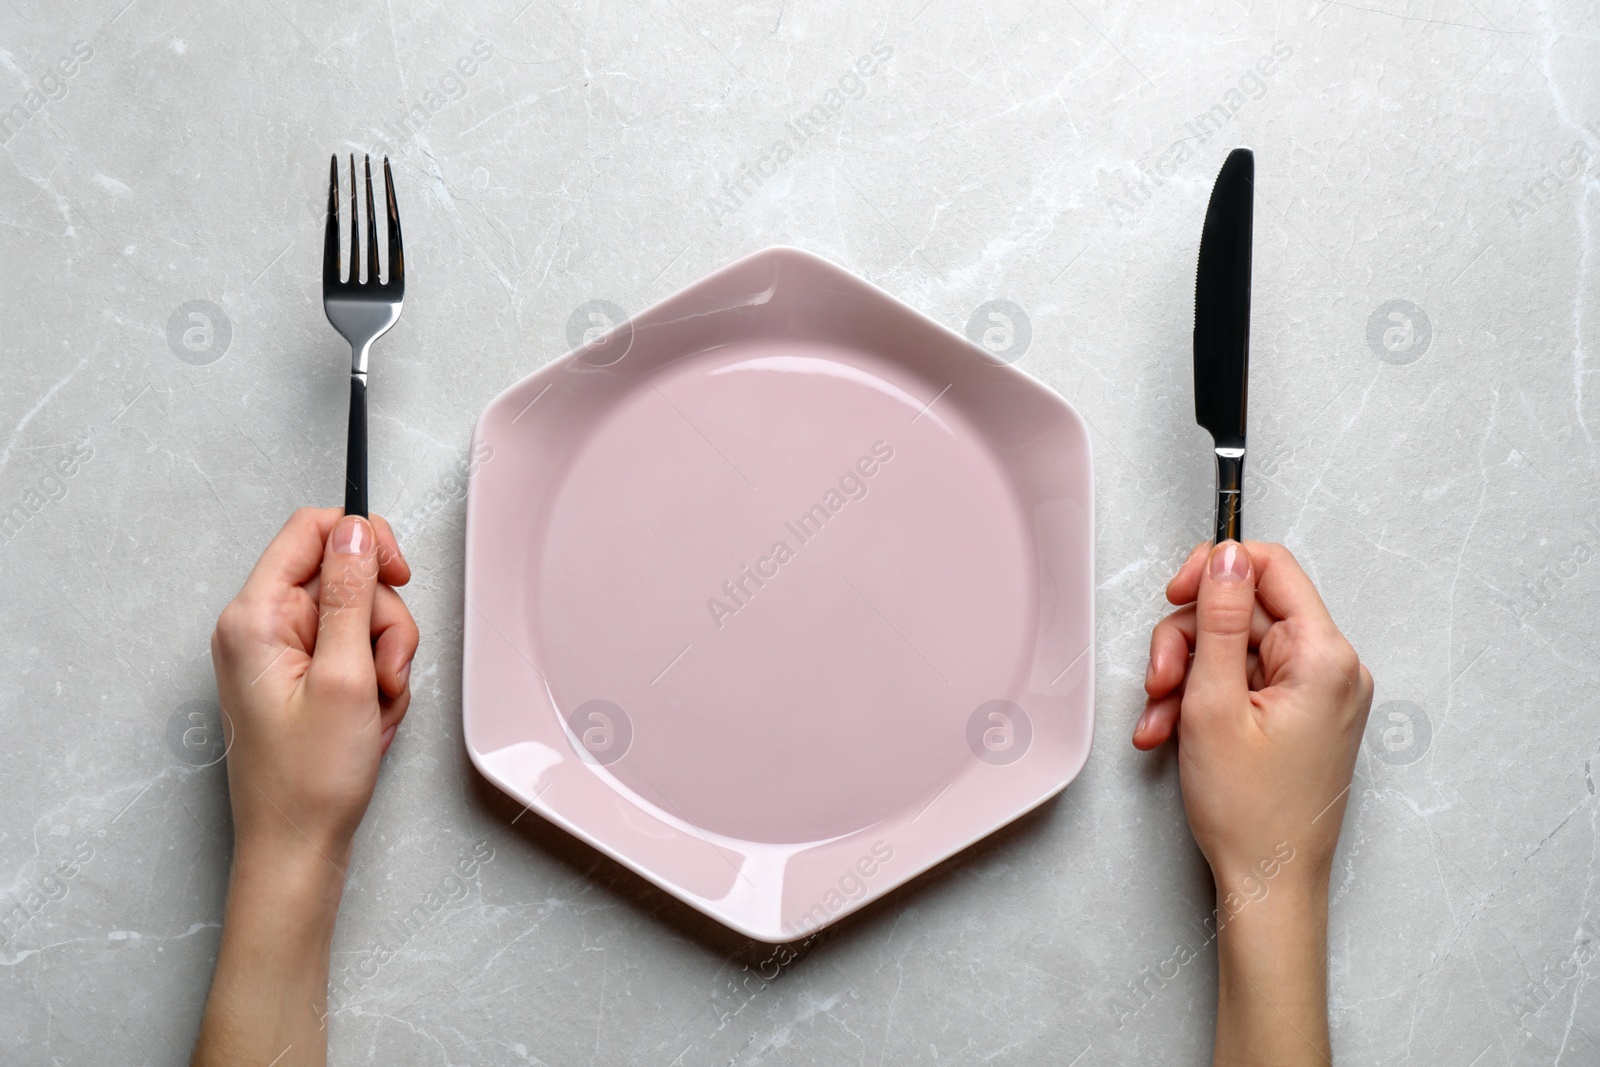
<point>1222,329</point>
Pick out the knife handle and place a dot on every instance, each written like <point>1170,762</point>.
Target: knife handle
<point>1230,491</point>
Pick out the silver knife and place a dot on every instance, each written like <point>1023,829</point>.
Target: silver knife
<point>1222,329</point>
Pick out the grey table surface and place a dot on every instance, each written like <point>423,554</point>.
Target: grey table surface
<point>1424,437</point>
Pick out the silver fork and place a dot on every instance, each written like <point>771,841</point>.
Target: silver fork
<point>361,311</point>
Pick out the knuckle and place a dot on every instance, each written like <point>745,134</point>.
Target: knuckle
<point>346,585</point>
<point>1271,548</point>
<point>303,516</point>
<point>1332,659</point>
<point>1345,660</point>
<point>1226,616</point>
<point>235,626</point>
<point>228,622</point>
<point>343,685</point>
<point>1272,555</point>
<point>248,621</point>
<point>271,614</point>
<point>332,592</point>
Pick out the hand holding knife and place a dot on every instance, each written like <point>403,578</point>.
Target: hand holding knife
<point>1222,330</point>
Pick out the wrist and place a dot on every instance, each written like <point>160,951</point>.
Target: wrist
<point>294,885</point>
<point>270,989</point>
<point>1290,919</point>
<point>1272,976</point>
<point>1283,873</point>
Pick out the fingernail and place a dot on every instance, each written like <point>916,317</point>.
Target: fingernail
<point>352,537</point>
<point>388,737</point>
<point>1150,671</point>
<point>1138,727</point>
<point>1230,563</point>
<point>405,674</point>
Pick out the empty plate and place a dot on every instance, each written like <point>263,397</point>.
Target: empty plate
<point>779,593</point>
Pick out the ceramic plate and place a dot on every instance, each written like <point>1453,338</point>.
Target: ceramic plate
<point>779,593</point>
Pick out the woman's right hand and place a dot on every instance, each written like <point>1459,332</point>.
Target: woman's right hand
<point>1269,711</point>
<point>1268,702</point>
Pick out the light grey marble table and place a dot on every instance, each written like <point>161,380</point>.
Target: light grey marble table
<point>1426,437</point>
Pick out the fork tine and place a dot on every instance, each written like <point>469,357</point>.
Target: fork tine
<point>397,261</point>
<point>330,246</point>
<point>372,228</point>
<point>355,226</point>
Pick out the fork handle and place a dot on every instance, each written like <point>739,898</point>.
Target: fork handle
<point>355,463</point>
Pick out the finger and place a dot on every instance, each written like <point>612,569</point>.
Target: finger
<point>394,641</point>
<point>392,710</point>
<point>387,738</point>
<point>391,713</point>
<point>1181,589</point>
<point>395,570</point>
<point>342,663</point>
<point>1169,660</point>
<point>301,614</point>
<point>1171,641</point>
<point>1224,608</point>
<point>1158,723</point>
<point>1285,589</point>
<point>1311,644</point>
<point>294,556</point>
<point>265,638</point>
<point>394,632</point>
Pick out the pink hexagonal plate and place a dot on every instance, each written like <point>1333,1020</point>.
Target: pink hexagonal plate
<point>780,594</point>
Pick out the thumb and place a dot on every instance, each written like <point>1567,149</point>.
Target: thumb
<point>1219,676</point>
<point>341,663</point>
